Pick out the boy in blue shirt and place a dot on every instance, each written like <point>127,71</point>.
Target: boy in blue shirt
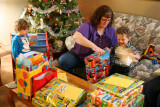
<point>20,43</point>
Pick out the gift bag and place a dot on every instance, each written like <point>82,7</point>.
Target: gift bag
<point>97,67</point>
<point>24,77</point>
<point>43,78</point>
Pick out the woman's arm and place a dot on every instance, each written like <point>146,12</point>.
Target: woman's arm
<point>80,39</point>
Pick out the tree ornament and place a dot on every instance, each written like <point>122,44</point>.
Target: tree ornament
<point>29,8</point>
<point>51,19</point>
<point>41,22</point>
<point>48,16</point>
<point>67,25</point>
<point>40,0</point>
<point>57,19</point>
<point>68,13</point>
<point>55,24</point>
<point>34,30</point>
<point>52,0</point>
<point>59,43</point>
<point>70,0</point>
<point>60,11</point>
<point>63,2</point>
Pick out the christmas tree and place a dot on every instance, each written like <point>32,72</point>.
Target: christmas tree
<point>60,18</point>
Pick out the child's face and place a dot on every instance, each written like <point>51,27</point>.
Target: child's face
<point>23,32</point>
<point>122,39</point>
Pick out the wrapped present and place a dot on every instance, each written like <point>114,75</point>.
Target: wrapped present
<point>97,67</point>
<point>40,103</point>
<point>119,90</point>
<point>60,93</point>
<point>43,78</point>
<point>103,98</point>
<point>139,101</point>
<point>24,77</point>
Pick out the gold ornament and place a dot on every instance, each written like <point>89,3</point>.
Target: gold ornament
<point>55,24</point>
<point>41,22</point>
<point>59,43</point>
<point>60,11</point>
<point>57,19</point>
<point>70,0</point>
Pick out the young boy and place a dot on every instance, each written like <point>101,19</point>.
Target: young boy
<point>20,43</point>
<point>123,40</point>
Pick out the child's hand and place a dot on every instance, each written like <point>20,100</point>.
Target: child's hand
<point>132,54</point>
<point>135,55</point>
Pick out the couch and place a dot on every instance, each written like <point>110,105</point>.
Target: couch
<point>144,31</point>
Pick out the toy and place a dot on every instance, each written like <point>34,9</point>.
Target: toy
<point>152,52</point>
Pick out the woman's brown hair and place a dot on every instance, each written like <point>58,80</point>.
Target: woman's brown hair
<point>102,11</point>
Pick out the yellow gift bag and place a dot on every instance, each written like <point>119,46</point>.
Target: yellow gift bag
<point>24,77</point>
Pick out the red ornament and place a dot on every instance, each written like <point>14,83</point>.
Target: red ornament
<point>67,25</point>
<point>51,19</point>
<point>46,0</point>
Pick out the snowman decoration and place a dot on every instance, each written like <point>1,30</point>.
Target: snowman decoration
<point>26,47</point>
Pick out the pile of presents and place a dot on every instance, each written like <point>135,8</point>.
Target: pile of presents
<point>116,91</point>
<point>40,83</point>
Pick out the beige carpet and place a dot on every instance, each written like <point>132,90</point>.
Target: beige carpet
<point>7,77</point>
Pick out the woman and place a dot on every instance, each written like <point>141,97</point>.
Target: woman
<point>92,36</point>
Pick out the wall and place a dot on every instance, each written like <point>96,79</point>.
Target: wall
<point>10,10</point>
<point>147,8</point>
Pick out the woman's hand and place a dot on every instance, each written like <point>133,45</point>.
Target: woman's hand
<point>98,50</point>
<point>108,49</point>
<point>80,39</point>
